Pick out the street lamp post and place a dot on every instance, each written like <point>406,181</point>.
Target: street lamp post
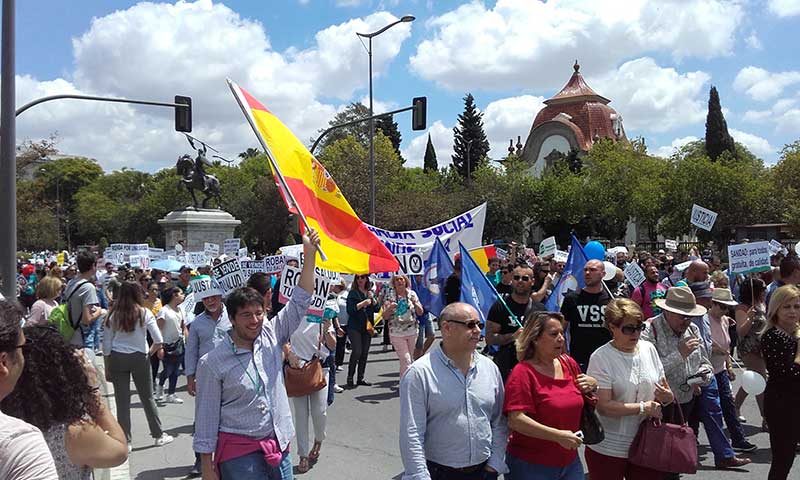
<point>369,36</point>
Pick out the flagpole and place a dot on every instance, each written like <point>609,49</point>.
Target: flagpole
<point>249,115</point>
<point>497,296</point>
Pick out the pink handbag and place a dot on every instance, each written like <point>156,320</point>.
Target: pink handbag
<point>665,447</point>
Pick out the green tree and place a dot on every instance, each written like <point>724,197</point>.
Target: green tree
<point>388,126</point>
<point>30,153</point>
<point>37,224</point>
<point>785,193</point>
<point>61,179</point>
<point>360,131</point>
<point>430,164</point>
<point>718,139</point>
<point>249,153</point>
<point>470,145</point>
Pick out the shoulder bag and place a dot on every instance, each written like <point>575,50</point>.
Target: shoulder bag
<point>666,447</point>
<point>306,379</point>
<point>591,426</point>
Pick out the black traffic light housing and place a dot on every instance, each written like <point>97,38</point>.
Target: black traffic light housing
<point>183,115</point>
<point>419,113</point>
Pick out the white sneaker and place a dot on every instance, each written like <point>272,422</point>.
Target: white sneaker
<point>337,389</point>
<point>173,399</point>
<point>159,395</point>
<point>163,440</point>
<point>339,369</point>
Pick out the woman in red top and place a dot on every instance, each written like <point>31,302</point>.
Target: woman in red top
<point>543,402</point>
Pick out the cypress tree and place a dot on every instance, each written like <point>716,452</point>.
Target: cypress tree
<point>430,164</point>
<point>389,128</point>
<point>469,139</point>
<point>718,139</point>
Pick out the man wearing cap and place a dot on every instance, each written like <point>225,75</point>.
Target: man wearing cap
<point>686,363</point>
<point>208,330</point>
<point>184,277</point>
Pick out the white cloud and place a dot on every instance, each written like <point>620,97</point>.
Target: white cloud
<point>654,98</point>
<point>508,118</point>
<point>348,3</point>
<point>154,51</point>
<point>753,41</point>
<point>762,84</point>
<point>757,145</point>
<point>784,115</point>
<point>528,44</point>
<point>666,151</point>
<point>784,8</point>
<point>442,138</point>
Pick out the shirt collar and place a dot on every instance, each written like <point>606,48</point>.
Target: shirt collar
<point>447,361</point>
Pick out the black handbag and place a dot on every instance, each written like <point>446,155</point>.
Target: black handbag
<point>176,348</point>
<point>591,427</point>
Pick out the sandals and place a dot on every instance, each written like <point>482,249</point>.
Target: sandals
<point>303,466</point>
<point>314,454</point>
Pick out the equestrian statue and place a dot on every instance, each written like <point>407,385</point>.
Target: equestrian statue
<point>194,177</point>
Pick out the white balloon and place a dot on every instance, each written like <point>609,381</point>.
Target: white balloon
<point>611,271</point>
<point>753,383</point>
<point>797,248</point>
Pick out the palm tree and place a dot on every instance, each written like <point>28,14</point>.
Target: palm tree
<point>249,153</point>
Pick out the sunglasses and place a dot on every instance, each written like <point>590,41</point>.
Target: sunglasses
<point>630,329</point>
<point>524,278</point>
<point>470,325</point>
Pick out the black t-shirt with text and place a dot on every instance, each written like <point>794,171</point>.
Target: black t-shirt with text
<point>506,356</point>
<point>585,313</point>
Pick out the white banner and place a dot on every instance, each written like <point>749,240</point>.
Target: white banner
<point>249,267</point>
<point>748,257</point>
<point>547,247</point>
<point>671,245</point>
<point>410,263</point>
<point>242,252</point>
<point>634,274</point>
<point>211,250</point>
<point>229,275</point>
<point>187,307</point>
<point>291,277</point>
<point>703,217</point>
<point>274,263</point>
<point>466,228</point>
<point>230,247</point>
<point>196,259</point>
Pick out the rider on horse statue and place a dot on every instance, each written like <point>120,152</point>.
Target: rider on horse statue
<point>195,176</point>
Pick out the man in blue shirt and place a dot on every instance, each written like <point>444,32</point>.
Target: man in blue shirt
<point>243,421</point>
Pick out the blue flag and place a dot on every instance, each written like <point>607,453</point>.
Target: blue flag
<point>476,289</point>
<point>437,268</point>
<point>571,278</point>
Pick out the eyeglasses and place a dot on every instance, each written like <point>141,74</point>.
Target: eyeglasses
<point>630,329</point>
<point>470,325</point>
<point>524,278</point>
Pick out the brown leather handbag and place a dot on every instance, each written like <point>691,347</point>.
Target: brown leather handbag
<point>306,379</point>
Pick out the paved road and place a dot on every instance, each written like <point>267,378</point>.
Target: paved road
<point>362,436</point>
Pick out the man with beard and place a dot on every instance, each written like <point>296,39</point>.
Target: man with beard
<point>584,312</point>
<point>500,327</point>
<point>646,294</point>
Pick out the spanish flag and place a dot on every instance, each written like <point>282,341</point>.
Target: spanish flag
<point>481,255</point>
<point>349,246</point>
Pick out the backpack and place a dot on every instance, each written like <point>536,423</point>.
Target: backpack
<point>60,316</point>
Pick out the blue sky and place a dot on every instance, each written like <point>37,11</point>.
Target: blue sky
<point>655,60</point>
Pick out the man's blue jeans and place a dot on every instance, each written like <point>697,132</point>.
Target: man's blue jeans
<point>729,409</point>
<point>253,467</point>
<point>707,409</point>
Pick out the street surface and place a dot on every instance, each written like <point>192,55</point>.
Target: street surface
<point>362,435</point>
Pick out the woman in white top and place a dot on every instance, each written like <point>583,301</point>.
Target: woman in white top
<point>173,332</point>
<point>125,355</point>
<point>632,387</point>
<point>312,341</point>
<point>47,291</point>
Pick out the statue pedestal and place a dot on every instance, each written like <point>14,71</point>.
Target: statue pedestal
<point>196,227</point>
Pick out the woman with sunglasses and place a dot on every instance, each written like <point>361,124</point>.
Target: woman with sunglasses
<point>543,403</point>
<point>632,388</point>
<point>361,306</point>
<point>401,306</point>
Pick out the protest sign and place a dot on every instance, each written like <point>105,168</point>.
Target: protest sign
<point>229,275</point>
<point>242,252</point>
<point>230,247</point>
<point>249,267</point>
<point>561,256</point>
<point>274,263</point>
<point>775,247</point>
<point>289,280</point>
<point>410,263</point>
<point>156,253</point>
<point>211,250</point>
<point>187,307</point>
<point>671,245</point>
<point>748,257</point>
<point>501,254</point>
<point>547,247</point>
<point>703,217</point>
<point>136,261</point>
<point>196,259</point>
<point>204,286</point>
<point>466,228</point>
<point>797,248</point>
<point>634,274</point>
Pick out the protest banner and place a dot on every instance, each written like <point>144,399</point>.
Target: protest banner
<point>671,245</point>
<point>274,263</point>
<point>703,217</point>
<point>634,274</point>
<point>196,259</point>
<point>230,247</point>
<point>748,257</point>
<point>547,247</point>
<point>211,250</point>
<point>561,256</point>
<point>156,253</point>
<point>242,252</point>
<point>290,277</point>
<point>136,261</point>
<point>775,247</point>
<point>229,275</point>
<point>466,228</point>
<point>249,267</point>
<point>410,263</point>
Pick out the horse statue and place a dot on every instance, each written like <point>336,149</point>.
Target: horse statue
<point>194,177</point>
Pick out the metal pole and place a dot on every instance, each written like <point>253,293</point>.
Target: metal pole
<point>58,212</point>
<point>371,144</point>
<point>8,156</point>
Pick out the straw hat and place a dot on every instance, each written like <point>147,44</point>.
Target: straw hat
<point>724,296</point>
<point>681,300</point>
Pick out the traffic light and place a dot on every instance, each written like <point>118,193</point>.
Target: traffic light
<point>183,115</point>
<point>419,113</point>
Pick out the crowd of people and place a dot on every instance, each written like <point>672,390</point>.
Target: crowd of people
<point>509,397</point>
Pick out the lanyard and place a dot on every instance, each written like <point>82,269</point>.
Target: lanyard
<point>255,381</point>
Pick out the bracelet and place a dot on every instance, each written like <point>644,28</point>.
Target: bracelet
<point>641,408</point>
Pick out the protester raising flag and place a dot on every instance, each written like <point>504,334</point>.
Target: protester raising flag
<point>476,289</point>
<point>571,278</point>
<point>437,268</point>
<point>310,192</point>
